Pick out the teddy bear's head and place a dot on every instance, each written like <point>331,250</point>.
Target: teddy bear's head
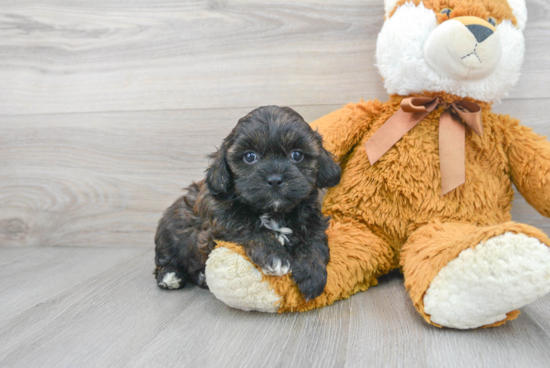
<point>469,48</point>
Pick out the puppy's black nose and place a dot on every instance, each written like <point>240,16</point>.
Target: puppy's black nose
<point>275,180</point>
<point>480,32</point>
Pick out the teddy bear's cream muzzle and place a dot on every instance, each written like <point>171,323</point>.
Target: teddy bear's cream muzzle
<point>466,48</point>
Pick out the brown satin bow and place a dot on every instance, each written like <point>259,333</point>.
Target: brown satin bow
<point>451,134</point>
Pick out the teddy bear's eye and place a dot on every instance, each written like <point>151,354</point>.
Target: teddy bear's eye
<point>446,11</point>
<point>493,21</point>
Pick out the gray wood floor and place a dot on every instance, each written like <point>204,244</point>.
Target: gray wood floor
<point>98,307</point>
<point>108,108</point>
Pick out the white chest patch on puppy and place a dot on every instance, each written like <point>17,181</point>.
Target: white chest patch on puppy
<point>280,231</point>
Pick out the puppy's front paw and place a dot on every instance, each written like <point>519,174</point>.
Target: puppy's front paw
<point>273,260</point>
<point>198,278</point>
<point>311,279</point>
<point>276,267</point>
<point>169,280</point>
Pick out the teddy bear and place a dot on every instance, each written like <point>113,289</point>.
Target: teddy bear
<point>427,177</point>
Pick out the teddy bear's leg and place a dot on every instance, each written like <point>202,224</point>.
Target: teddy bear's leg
<point>462,276</point>
<point>357,257</point>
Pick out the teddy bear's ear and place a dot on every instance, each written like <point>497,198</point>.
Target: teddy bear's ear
<point>519,9</point>
<point>389,5</point>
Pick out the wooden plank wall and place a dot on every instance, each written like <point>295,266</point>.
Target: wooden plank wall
<point>108,108</point>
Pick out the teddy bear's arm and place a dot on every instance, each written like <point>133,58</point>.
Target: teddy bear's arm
<point>529,159</point>
<point>344,128</point>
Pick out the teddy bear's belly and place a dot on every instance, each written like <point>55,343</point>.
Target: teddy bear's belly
<point>401,191</point>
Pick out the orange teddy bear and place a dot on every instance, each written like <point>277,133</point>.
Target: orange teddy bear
<point>427,177</point>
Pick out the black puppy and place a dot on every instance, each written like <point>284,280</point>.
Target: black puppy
<point>260,192</point>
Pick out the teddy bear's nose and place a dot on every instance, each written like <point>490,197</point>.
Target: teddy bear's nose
<point>480,32</point>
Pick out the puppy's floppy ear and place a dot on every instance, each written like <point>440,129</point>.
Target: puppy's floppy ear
<point>329,171</point>
<point>218,176</point>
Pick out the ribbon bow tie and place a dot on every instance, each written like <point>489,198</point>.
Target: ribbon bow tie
<point>451,134</point>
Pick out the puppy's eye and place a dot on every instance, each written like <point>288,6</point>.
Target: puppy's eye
<point>250,157</point>
<point>296,156</point>
<point>493,21</point>
<point>446,11</point>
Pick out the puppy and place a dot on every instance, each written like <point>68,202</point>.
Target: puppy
<point>260,192</point>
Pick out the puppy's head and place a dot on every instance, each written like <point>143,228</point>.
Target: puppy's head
<point>272,160</point>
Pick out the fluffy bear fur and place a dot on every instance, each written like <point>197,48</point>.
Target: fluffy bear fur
<point>400,53</point>
<point>392,215</point>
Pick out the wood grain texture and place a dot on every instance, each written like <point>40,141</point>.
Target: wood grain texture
<point>74,56</point>
<point>103,179</point>
<point>392,334</point>
<point>233,337</point>
<point>119,318</point>
<point>28,276</point>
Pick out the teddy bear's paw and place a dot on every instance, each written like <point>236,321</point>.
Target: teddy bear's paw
<point>483,284</point>
<point>236,282</point>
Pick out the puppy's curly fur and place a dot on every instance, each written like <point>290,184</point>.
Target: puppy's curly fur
<point>260,192</point>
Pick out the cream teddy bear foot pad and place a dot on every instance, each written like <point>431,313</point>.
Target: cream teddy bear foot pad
<point>236,282</point>
<point>484,283</point>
